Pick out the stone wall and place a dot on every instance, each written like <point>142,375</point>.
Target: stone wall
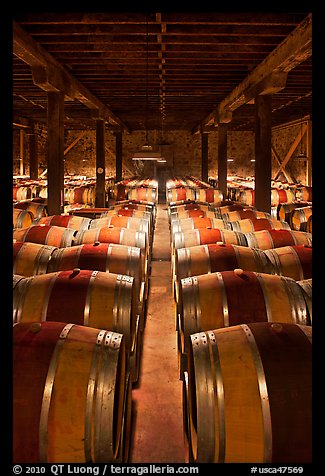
<point>182,151</point>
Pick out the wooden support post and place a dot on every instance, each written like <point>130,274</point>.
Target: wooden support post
<point>205,156</point>
<point>309,154</point>
<point>21,152</point>
<point>222,158</point>
<point>118,156</point>
<point>55,149</point>
<point>33,157</point>
<point>263,154</point>
<point>100,199</point>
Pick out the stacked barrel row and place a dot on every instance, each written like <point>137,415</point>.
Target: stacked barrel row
<point>243,320</point>
<point>180,190</point>
<point>290,202</point>
<point>136,189</point>
<point>79,310</point>
<point>76,190</point>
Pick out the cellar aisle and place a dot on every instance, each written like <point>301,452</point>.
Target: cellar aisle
<point>158,416</point>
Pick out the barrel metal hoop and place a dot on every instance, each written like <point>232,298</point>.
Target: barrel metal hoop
<point>90,397</point>
<point>87,302</point>
<point>105,398</point>
<point>262,385</point>
<point>220,396</point>
<point>274,259</point>
<point>206,250</point>
<point>206,403</point>
<point>301,271</point>
<point>297,301</point>
<point>48,295</point>
<point>108,256</point>
<point>266,297</point>
<point>47,394</point>
<point>225,309</point>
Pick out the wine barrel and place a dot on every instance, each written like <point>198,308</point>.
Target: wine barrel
<point>238,297</point>
<point>21,192</point>
<point>64,220</point>
<point>250,394</point>
<point>180,193</point>
<point>203,259</point>
<point>247,196</point>
<point>306,285</point>
<point>304,193</point>
<point>36,208</point>
<point>22,218</point>
<point>267,239</point>
<point>248,225</point>
<point>210,195</point>
<point>283,210</point>
<point>122,236</point>
<point>309,227</point>
<point>299,217</point>
<point>84,194</point>
<point>149,194</point>
<point>83,297</point>
<point>292,261</point>
<point>126,212</point>
<point>31,258</point>
<point>105,257</point>
<point>72,380</point>
<point>237,215</point>
<point>47,235</point>
<point>198,213</point>
<point>202,236</point>
<point>280,195</point>
<point>185,224</point>
<point>220,211</point>
<point>132,223</point>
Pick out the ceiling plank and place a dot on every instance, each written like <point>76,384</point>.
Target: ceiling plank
<point>33,54</point>
<point>296,48</point>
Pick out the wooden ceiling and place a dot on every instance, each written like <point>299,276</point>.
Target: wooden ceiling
<point>159,70</point>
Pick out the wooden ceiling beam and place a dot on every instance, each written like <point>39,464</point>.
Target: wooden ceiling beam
<point>295,49</point>
<point>49,75</point>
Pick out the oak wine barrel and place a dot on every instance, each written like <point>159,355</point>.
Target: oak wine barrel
<point>204,259</point>
<point>247,225</point>
<point>22,218</point>
<point>267,239</point>
<point>105,257</point>
<point>238,297</point>
<point>47,235</point>
<point>65,220</point>
<point>72,380</point>
<point>38,209</point>
<point>185,224</point>
<point>31,258</point>
<point>299,218</point>
<point>83,297</point>
<point>292,261</point>
<point>249,394</point>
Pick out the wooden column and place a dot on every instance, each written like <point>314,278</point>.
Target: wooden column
<point>118,156</point>
<point>33,157</point>
<point>205,156</point>
<point>55,152</point>
<point>309,154</point>
<point>263,154</point>
<point>21,152</point>
<point>100,163</point>
<point>222,159</point>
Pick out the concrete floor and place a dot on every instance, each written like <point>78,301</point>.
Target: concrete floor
<point>157,398</point>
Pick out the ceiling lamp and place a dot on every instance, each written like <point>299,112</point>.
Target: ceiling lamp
<point>146,151</point>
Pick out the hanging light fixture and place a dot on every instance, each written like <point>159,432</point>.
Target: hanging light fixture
<point>146,152</point>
